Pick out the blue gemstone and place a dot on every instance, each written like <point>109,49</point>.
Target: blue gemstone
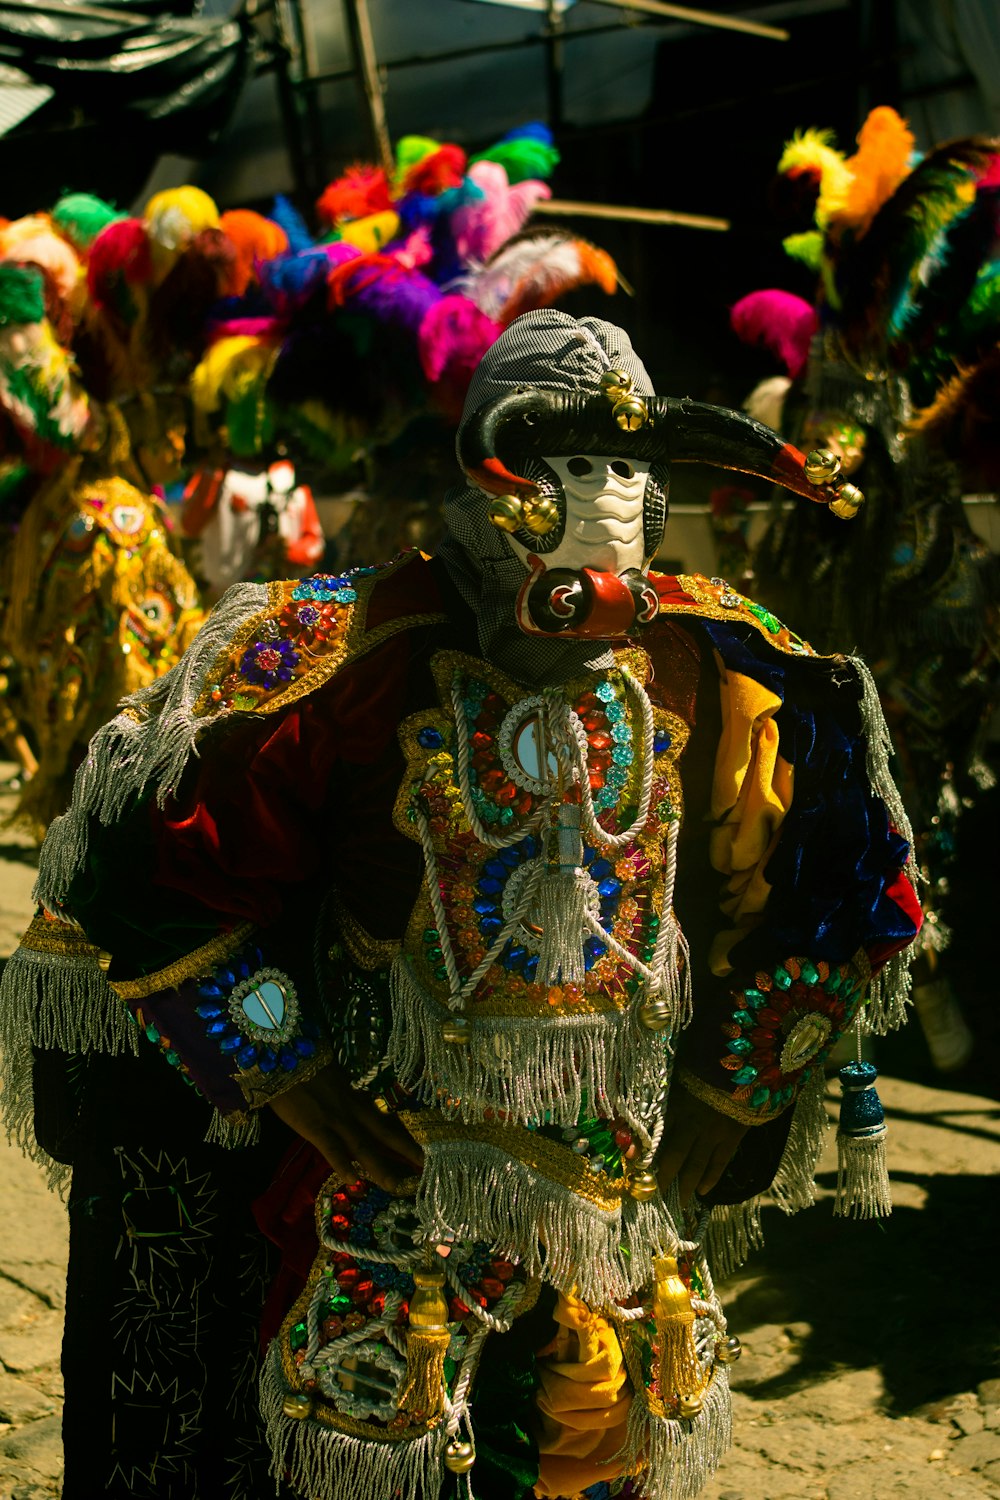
<point>496,869</point>
<point>531,968</point>
<point>226,977</point>
<point>247,1056</point>
<point>661,741</point>
<point>231,1043</point>
<point>217,1028</point>
<point>609,887</point>
<point>490,926</point>
<point>588,854</point>
<point>507,857</point>
<point>594,948</point>
<point>209,987</point>
<point>430,738</point>
<point>304,1047</point>
<point>490,887</point>
<point>484,906</point>
<point>208,1010</point>
<point>268,1062</point>
<point>517,954</point>
<point>601,868</point>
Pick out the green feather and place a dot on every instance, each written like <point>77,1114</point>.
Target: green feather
<point>807,248</point>
<point>22,295</point>
<point>522,158</point>
<point>81,217</point>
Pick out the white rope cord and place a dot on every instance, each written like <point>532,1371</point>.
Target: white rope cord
<point>495,1321</point>
<point>600,836</point>
<point>356,1336</point>
<point>459,991</point>
<point>457,1409</point>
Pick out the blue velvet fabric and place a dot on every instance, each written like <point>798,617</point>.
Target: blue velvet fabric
<point>837,854</point>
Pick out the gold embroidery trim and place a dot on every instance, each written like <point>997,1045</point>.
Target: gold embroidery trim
<point>706,607</point>
<point>367,952</point>
<point>191,966</point>
<point>46,936</point>
<point>725,1103</point>
<point>260,1088</point>
<point>556,1162</point>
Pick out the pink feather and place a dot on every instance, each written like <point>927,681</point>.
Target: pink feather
<point>480,228</point>
<point>780,321</point>
<point>454,336</point>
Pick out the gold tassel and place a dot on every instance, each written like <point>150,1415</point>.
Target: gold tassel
<point>422,1392</point>
<point>681,1376</point>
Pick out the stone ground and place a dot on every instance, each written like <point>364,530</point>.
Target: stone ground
<point>870,1349</point>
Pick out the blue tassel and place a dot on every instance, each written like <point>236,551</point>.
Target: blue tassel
<point>862,1177</point>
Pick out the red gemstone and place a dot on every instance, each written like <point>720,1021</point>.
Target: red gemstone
<point>457,1308</point>
<point>348,1277</point>
<point>762,1038</point>
<point>481,741</point>
<point>491,780</point>
<point>341,1259</point>
<point>768,1017</point>
<point>492,1286</point>
<point>594,721</point>
<point>361,1293</point>
<point>339,1201</point>
<point>357,1190</point>
<point>340,1227</point>
<point>482,760</point>
<point>403,1315</point>
<point>376,1306</point>
<point>524,804</point>
<point>507,793</point>
<point>596,779</point>
<point>600,741</point>
<point>503,1270</point>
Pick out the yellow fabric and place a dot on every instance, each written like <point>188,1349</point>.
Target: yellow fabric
<point>751,793</point>
<point>584,1402</point>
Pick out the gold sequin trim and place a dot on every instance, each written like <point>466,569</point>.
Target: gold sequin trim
<point>556,1162</point>
<point>191,966</point>
<point>351,646</point>
<point>706,606</point>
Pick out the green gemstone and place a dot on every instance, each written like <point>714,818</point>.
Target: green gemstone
<point>435,955</point>
<point>753,998</point>
<point>506,816</point>
<point>654,923</point>
<point>340,1304</point>
<point>810,973</point>
<point>759,1097</point>
<point>440,972</point>
<point>152,1033</point>
<point>833,983</point>
<point>299,1336</point>
<point>173,1058</point>
<point>741,1046</point>
<point>782,979</point>
<point>743,1018</point>
<point>430,934</point>
<point>746,1074</point>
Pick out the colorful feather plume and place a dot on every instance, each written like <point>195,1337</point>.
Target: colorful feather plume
<point>811,153</point>
<point>783,323</point>
<point>534,271</point>
<point>526,152</point>
<point>882,160</point>
<point>481,227</point>
<point>254,240</point>
<point>361,191</point>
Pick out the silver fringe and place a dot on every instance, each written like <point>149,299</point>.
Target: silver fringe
<point>863,1190</point>
<point>327,1465</point>
<point>521,1066</point>
<point>150,744</point>
<point>885,1009</point>
<point>477,1191</point>
<point>52,1001</point>
<point>733,1231</point>
<point>679,1457</point>
<point>233,1134</point>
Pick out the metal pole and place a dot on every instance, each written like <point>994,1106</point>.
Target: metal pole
<point>554,67</point>
<point>698,17</point>
<point>573,210</point>
<point>363,43</point>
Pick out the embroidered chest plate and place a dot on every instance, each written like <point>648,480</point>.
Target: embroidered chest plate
<point>545,819</point>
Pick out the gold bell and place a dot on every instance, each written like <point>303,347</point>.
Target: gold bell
<point>615,384</point>
<point>848,502</point>
<point>822,466</point>
<point>631,413</point>
<point>541,516</point>
<point>507,512</point>
<point>459,1456</point>
<point>456,1030</point>
<point>689,1406</point>
<point>642,1186</point>
<point>728,1351</point>
<point>298,1405</point>
<point>655,1013</point>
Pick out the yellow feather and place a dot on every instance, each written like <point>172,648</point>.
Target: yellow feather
<point>228,370</point>
<point>813,151</point>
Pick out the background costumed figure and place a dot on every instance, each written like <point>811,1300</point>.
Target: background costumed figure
<point>532,885</point>
<point>905,252</point>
